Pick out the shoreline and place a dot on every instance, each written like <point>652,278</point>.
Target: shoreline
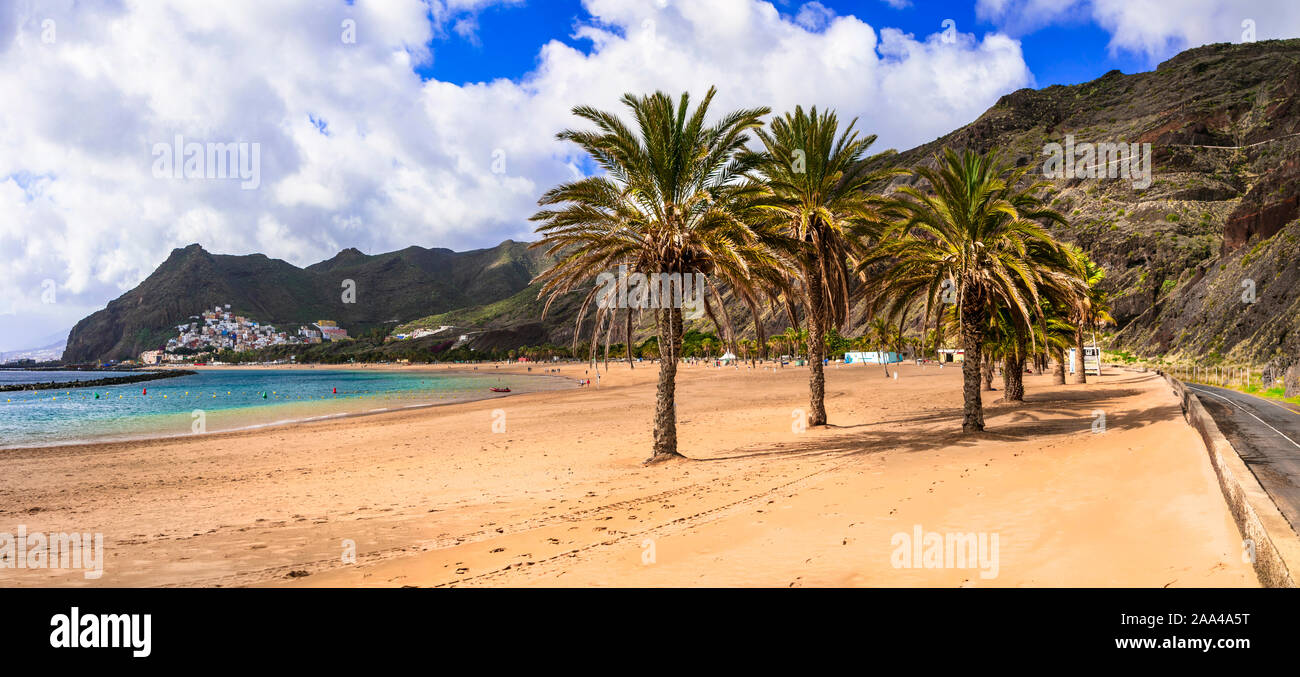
<point>287,423</point>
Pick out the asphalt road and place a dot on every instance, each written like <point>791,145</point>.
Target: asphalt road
<point>1267,435</point>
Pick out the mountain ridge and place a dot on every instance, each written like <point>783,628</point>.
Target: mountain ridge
<point>390,288</point>
<point>1223,122</point>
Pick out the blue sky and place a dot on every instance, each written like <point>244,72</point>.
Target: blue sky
<point>509,37</point>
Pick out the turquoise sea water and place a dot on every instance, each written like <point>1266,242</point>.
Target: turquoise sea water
<point>222,400</point>
<point>12,376</point>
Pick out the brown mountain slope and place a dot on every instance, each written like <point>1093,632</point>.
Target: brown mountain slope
<point>1223,122</point>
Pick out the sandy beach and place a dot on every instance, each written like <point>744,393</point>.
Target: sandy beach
<point>546,489</point>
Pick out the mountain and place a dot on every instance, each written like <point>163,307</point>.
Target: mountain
<point>50,350</point>
<point>1220,213</point>
<point>389,289</point>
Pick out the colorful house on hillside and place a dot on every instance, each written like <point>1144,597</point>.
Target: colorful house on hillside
<point>331,331</point>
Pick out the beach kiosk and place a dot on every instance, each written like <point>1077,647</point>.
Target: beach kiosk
<point>872,358</point>
<point>1091,360</point>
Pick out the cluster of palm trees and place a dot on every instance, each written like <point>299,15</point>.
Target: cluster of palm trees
<point>799,220</point>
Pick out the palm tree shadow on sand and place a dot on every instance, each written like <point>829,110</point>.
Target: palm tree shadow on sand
<point>1045,416</point>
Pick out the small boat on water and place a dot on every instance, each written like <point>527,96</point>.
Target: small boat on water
<point>499,390</point>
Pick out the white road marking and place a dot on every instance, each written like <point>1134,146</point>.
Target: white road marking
<point>1239,406</point>
<point>1286,409</point>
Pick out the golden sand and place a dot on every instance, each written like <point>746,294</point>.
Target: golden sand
<point>437,497</point>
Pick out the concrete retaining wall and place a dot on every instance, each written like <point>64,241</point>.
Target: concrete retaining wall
<point>1277,549</point>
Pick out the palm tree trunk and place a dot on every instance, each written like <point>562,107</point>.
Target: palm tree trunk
<point>938,323</point>
<point>971,338</point>
<point>1058,373</point>
<point>986,372</point>
<point>1013,377</point>
<point>816,349</point>
<point>760,346</point>
<point>1079,376</point>
<point>627,334</point>
<point>665,437</point>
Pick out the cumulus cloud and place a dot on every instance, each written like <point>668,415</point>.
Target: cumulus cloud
<point>1150,27</point>
<point>814,16</point>
<point>356,149</point>
<point>1163,29</point>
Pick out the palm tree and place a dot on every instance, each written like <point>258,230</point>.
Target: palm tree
<point>1059,285</point>
<point>671,201</point>
<point>933,338</point>
<point>881,333</point>
<point>1091,308</point>
<point>1005,339</point>
<point>774,345</point>
<point>791,339</point>
<point>1057,337</point>
<point>976,229</point>
<point>747,349</point>
<point>818,204</point>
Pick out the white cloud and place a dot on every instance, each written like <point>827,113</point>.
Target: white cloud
<point>1153,28</point>
<point>1019,17</point>
<point>814,16</point>
<point>400,161</point>
<point>1160,30</point>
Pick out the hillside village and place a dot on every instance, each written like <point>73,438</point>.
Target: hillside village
<point>219,329</point>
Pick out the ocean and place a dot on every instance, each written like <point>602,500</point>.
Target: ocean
<point>224,400</point>
<point>11,376</point>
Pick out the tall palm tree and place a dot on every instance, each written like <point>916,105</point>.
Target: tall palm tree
<point>1059,286</point>
<point>670,201</point>
<point>707,346</point>
<point>881,333</point>
<point>774,345</point>
<point>817,178</point>
<point>1005,339</point>
<point>1091,308</point>
<point>747,349</point>
<point>791,339</point>
<point>974,230</point>
<point>1057,336</point>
